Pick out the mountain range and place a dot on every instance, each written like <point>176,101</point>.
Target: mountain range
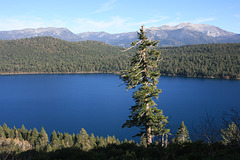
<point>181,34</point>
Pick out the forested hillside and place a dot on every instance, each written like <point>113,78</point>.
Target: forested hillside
<point>206,60</point>
<point>51,55</point>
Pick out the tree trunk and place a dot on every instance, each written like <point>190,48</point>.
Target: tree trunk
<point>148,128</point>
<point>148,134</point>
<point>162,139</point>
<point>166,141</point>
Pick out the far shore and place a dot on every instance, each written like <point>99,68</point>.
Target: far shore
<point>118,73</point>
<point>23,73</point>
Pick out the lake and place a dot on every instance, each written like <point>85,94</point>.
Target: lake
<point>100,104</point>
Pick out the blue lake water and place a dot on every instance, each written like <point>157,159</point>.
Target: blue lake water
<point>100,104</point>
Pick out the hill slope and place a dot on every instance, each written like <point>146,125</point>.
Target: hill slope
<point>47,54</point>
<point>51,55</point>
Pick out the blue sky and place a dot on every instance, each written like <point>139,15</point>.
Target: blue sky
<point>116,16</point>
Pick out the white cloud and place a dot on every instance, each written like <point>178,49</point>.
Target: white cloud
<point>237,15</point>
<point>114,25</point>
<point>78,25</point>
<point>106,6</point>
<point>203,20</point>
<point>17,23</point>
<point>149,22</point>
<point>86,24</point>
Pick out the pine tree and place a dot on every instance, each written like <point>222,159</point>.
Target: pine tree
<point>59,135</point>
<point>11,134</point>
<point>143,74</point>
<point>34,138</point>
<point>29,135</point>
<point>182,134</point>
<point>6,130</point>
<point>143,141</point>
<point>231,135</point>
<point>114,140</point>
<point>24,132</point>
<point>68,140</point>
<point>125,140</point>
<point>92,141</point>
<point>48,148</point>
<point>2,134</point>
<point>74,138</point>
<point>19,134</point>
<point>101,142</point>
<point>43,138</point>
<point>15,132</point>
<point>82,140</point>
<point>54,141</point>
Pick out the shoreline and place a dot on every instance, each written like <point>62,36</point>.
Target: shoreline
<point>33,73</point>
<point>95,72</point>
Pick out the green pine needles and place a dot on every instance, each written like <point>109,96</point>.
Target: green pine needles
<point>231,135</point>
<point>142,73</point>
<point>182,134</point>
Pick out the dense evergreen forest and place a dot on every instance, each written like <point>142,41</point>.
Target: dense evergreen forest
<point>51,55</point>
<point>206,60</point>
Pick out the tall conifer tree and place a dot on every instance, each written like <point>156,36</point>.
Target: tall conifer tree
<point>142,74</point>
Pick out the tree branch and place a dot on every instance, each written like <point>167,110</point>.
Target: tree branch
<point>131,46</point>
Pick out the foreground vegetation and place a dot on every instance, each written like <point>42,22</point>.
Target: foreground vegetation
<point>128,151</point>
<point>31,144</point>
<point>51,55</point>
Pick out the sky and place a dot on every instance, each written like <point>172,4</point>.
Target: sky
<point>117,16</point>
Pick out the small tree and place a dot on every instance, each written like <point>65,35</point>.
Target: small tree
<point>101,142</point>
<point>43,138</point>
<point>54,141</point>
<point>231,135</point>
<point>82,140</point>
<point>68,140</point>
<point>6,131</point>
<point>24,132</point>
<point>92,141</point>
<point>144,114</point>
<point>143,141</point>
<point>182,134</point>
<point>34,137</point>
<point>2,134</point>
<point>48,148</point>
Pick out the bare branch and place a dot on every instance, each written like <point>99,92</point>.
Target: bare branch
<point>131,47</point>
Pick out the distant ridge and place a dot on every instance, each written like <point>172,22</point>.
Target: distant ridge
<point>61,33</point>
<point>181,34</point>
